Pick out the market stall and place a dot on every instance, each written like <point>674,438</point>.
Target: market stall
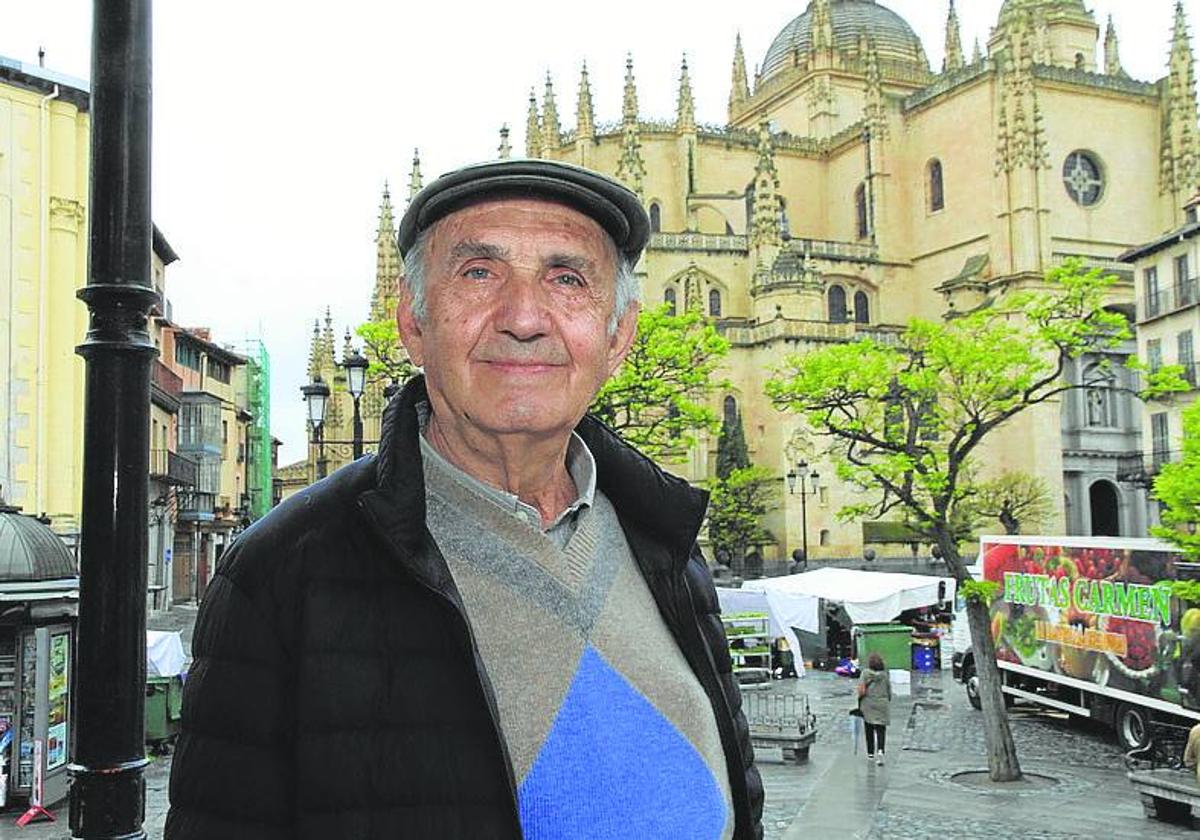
<point>869,598</point>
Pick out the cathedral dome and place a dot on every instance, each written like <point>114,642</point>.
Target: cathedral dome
<point>851,20</point>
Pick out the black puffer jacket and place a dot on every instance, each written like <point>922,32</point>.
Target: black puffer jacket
<point>337,692</point>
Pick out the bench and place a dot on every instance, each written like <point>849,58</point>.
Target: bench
<point>1167,788</point>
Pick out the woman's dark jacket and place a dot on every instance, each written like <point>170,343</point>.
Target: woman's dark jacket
<point>337,690</point>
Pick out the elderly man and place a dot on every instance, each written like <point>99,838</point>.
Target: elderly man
<point>499,627</point>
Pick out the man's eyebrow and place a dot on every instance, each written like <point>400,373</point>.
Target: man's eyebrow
<point>575,262</point>
<point>474,248</point>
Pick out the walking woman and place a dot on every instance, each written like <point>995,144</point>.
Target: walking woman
<point>875,700</point>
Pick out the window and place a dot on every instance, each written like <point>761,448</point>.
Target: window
<point>1082,178</point>
<point>824,538</point>
<point>1190,215</point>
<point>862,308</point>
<point>730,411</point>
<point>655,217</point>
<point>218,370</point>
<point>714,303</point>
<point>1185,355</point>
<point>1159,437</point>
<point>187,355</point>
<point>837,305</point>
<point>1154,354</point>
<point>669,300</point>
<point>1185,284</point>
<point>1152,300</point>
<point>860,211</point>
<point>937,196</point>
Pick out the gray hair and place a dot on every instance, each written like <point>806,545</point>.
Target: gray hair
<point>628,291</point>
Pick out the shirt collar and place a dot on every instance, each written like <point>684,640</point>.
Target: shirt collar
<point>581,466</point>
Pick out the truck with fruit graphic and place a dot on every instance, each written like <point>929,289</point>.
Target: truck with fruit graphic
<point>1091,626</point>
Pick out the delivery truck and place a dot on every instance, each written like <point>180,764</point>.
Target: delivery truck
<point>1090,626</point>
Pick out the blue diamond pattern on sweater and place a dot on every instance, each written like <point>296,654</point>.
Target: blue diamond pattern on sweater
<point>613,767</point>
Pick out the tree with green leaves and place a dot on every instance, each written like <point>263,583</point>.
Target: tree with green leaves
<point>1017,500</point>
<point>659,398</point>
<point>905,422</point>
<point>382,348</point>
<point>741,495</point>
<point>1177,486</point>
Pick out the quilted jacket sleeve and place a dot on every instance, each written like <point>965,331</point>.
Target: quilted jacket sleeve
<point>708,610</point>
<point>232,776</point>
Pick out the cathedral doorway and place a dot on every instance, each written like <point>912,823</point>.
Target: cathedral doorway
<point>1105,509</point>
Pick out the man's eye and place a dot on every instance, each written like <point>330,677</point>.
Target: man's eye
<point>569,279</point>
<point>477,273</point>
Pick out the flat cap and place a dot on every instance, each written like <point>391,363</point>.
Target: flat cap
<point>611,204</point>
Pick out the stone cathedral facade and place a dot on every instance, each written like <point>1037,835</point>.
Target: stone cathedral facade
<point>854,187</point>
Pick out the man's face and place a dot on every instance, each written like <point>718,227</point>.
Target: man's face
<point>515,337</point>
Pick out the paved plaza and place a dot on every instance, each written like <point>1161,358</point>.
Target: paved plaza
<point>1082,791</point>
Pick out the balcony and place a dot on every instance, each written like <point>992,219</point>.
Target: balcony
<point>834,250</point>
<point>1160,302</point>
<point>172,468</point>
<point>1141,467</point>
<point>195,506</point>
<point>697,242</point>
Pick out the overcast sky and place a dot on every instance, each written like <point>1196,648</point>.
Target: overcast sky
<point>276,123</point>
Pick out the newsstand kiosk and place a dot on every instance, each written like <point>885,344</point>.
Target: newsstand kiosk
<point>39,604</point>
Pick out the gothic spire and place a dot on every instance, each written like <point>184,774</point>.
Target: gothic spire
<point>764,224</point>
<point>977,53</point>
<point>1180,161</point>
<point>585,114</point>
<point>326,358</point>
<point>505,149</point>
<point>954,54</point>
<point>629,105</point>
<point>387,261</point>
<point>875,111</point>
<point>685,109</point>
<point>314,351</point>
<point>414,177</point>
<point>533,129</point>
<point>739,91</point>
<point>551,130</point>
<point>1112,54</point>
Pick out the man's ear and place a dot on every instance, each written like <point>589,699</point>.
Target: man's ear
<point>411,334</point>
<point>622,340</point>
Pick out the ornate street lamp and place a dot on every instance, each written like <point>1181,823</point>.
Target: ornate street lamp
<point>356,381</point>
<point>808,488</point>
<point>316,394</point>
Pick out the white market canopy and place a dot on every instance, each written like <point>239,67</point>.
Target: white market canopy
<point>868,597</point>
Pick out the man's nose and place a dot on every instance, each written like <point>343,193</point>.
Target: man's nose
<point>522,308</point>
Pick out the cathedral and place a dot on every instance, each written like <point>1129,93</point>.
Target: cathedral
<point>854,187</point>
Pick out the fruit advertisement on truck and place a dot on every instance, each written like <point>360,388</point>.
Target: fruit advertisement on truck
<point>1104,615</point>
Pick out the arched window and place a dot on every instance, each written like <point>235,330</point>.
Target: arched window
<point>860,211</point>
<point>837,305</point>
<point>937,195</point>
<point>862,308</point>
<point>655,217</point>
<point>730,411</point>
<point>824,538</point>
<point>714,303</point>
<point>669,299</point>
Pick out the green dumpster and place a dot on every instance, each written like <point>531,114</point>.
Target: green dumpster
<point>164,699</point>
<point>891,641</point>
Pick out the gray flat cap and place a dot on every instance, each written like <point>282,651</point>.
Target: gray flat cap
<point>611,204</point>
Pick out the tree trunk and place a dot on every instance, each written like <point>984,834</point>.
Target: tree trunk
<point>1003,765</point>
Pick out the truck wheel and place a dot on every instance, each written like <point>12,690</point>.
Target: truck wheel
<point>971,681</point>
<point>1132,724</point>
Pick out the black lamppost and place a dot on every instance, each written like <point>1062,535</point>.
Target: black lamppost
<point>316,394</point>
<point>356,382</point>
<point>807,488</point>
<point>107,745</point>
